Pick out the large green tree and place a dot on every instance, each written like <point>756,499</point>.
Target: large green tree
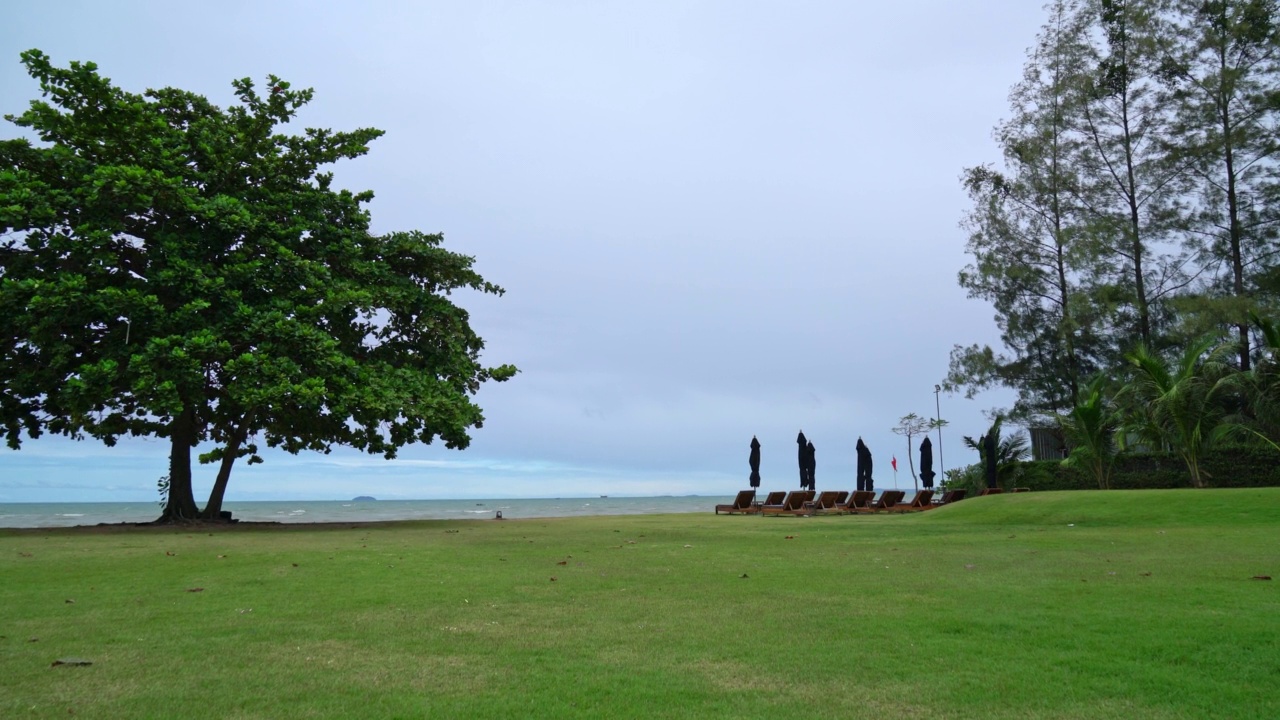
<point>1032,253</point>
<point>1129,186</point>
<point>1225,76</point>
<point>171,268</point>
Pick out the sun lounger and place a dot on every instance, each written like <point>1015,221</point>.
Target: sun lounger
<point>888,500</point>
<point>825,502</point>
<point>951,496</point>
<point>843,497</point>
<point>922,501</point>
<point>990,491</point>
<point>1022,489</point>
<point>856,499</point>
<point>775,498</point>
<point>740,505</point>
<point>792,505</point>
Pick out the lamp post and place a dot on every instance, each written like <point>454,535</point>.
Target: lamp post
<point>937,406</point>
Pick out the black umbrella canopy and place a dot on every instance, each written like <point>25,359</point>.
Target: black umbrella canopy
<point>804,459</point>
<point>871,484</point>
<point>810,466</point>
<point>988,443</point>
<point>864,466</point>
<point>926,463</point>
<point>754,461</point>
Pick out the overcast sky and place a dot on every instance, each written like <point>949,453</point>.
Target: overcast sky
<point>712,220</point>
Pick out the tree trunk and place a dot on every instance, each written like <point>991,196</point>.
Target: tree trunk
<point>912,464</point>
<point>180,504</point>
<point>213,509</point>
<point>1235,233</point>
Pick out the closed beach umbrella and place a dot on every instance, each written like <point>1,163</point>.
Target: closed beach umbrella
<point>754,460</point>
<point>871,483</point>
<point>811,466</point>
<point>864,466</point>
<point>926,463</point>
<point>804,460</point>
<point>988,442</point>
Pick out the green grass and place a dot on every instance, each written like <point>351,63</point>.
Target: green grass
<point>1037,605</point>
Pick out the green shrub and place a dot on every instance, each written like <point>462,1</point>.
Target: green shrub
<point>1226,467</point>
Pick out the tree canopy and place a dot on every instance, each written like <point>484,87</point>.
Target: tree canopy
<point>171,268</point>
<point>1136,204</point>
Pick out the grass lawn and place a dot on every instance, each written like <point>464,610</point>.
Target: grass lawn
<point>1036,605</point>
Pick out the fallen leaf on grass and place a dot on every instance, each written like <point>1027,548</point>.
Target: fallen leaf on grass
<point>195,589</point>
<point>563,562</point>
<point>69,601</point>
<point>789,537</point>
<point>295,564</point>
<point>553,579</point>
<point>1145,574</point>
<point>24,554</point>
<point>34,639</point>
<point>742,575</point>
<point>969,567</point>
<point>170,554</point>
<point>1261,577</point>
<point>688,546</point>
<point>220,557</point>
<point>71,661</point>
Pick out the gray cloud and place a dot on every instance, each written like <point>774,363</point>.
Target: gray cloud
<point>713,219</point>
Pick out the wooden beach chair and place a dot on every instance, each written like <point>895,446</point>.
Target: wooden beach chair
<point>825,502</point>
<point>843,497</point>
<point>740,505</point>
<point>1022,489</point>
<point>922,501</point>
<point>888,500</point>
<point>855,500</point>
<point>951,496</point>
<point>775,498</point>
<point>990,491</point>
<point>792,505</point>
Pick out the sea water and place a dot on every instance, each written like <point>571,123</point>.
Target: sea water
<point>30,515</point>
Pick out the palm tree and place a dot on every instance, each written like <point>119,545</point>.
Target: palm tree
<point>1262,384</point>
<point>1010,452</point>
<point>1090,429</point>
<point>1183,406</point>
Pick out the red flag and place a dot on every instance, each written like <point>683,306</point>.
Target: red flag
<point>894,463</point>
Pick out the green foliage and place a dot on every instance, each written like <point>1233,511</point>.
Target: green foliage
<point>1183,405</point>
<point>1262,384</point>
<point>1090,431</point>
<point>1228,466</point>
<point>174,269</point>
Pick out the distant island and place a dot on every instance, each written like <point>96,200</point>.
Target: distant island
<point>363,498</point>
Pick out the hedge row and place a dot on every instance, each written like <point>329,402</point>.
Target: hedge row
<point>1225,467</point>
